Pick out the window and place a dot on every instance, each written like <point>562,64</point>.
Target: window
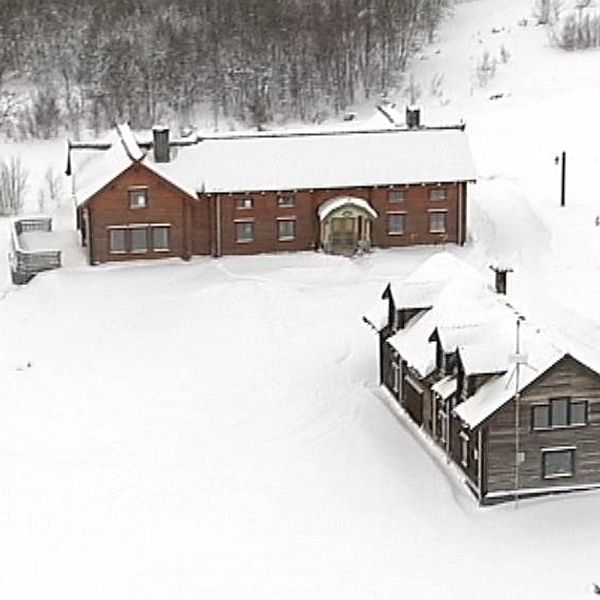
<point>396,196</point>
<point>286,229</point>
<point>116,240</point>
<point>138,198</point>
<point>160,239</point>
<point>558,462</point>
<point>559,412</point>
<point>437,194</point>
<point>578,415</point>
<point>138,239</point>
<point>464,449</point>
<point>244,231</point>
<point>244,203</point>
<point>437,221</point>
<point>396,377</point>
<point>541,417</point>
<point>286,201</point>
<point>396,223</point>
<point>442,420</point>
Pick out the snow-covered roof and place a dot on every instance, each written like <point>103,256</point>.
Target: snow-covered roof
<point>377,315</point>
<point>308,160</point>
<point>541,354</point>
<point>487,358</point>
<point>94,168</point>
<point>330,206</point>
<point>481,325</point>
<point>445,387</point>
<point>424,286</point>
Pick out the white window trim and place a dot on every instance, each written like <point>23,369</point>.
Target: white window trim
<point>240,222</point>
<point>545,451</point>
<point>439,188</point>
<point>438,211</point>
<point>281,196</point>
<point>148,227</point>
<point>116,228</point>
<point>392,191</point>
<point>396,212</point>
<point>286,238</point>
<point>138,188</point>
<point>238,200</point>
<point>160,226</point>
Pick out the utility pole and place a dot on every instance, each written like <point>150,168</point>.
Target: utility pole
<point>563,175</point>
<point>518,360</point>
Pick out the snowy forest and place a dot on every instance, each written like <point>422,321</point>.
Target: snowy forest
<point>79,64</point>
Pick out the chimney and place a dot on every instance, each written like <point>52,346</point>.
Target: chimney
<point>500,282</point>
<point>413,117</point>
<point>162,153</point>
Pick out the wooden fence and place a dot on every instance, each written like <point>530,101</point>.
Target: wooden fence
<point>25,264</point>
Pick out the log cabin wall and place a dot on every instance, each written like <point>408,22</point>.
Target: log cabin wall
<point>567,379</point>
<point>214,223</point>
<point>110,208</point>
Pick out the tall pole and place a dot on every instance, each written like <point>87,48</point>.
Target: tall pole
<point>517,406</point>
<point>563,178</point>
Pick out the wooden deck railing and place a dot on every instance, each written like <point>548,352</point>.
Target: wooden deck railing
<point>25,264</point>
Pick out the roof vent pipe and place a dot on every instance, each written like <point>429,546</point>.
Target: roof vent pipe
<point>160,136</point>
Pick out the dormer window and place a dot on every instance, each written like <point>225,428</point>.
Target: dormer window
<point>138,198</point>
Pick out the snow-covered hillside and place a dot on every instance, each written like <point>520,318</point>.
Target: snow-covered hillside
<point>213,429</point>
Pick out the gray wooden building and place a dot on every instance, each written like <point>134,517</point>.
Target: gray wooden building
<point>459,359</point>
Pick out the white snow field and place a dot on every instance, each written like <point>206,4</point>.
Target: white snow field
<point>213,429</point>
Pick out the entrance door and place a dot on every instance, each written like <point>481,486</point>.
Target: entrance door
<point>344,235</point>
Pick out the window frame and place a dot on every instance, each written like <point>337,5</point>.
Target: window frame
<point>548,407</point>
<point>286,201</point>
<point>245,203</point>
<point>243,240</point>
<point>122,230</point>
<point>548,451</point>
<point>390,217</point>
<point>431,213</point>
<point>144,229</point>
<point>286,238</point>
<point>396,196</point>
<point>167,229</point>
<point>464,449</point>
<point>134,192</point>
<point>438,194</point>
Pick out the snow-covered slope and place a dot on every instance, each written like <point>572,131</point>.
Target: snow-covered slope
<point>214,429</point>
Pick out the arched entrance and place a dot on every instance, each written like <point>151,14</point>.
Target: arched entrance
<point>346,225</point>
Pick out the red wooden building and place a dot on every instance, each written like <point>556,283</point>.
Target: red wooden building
<point>340,191</point>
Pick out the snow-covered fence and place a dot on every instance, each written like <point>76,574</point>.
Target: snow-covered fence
<point>29,256</point>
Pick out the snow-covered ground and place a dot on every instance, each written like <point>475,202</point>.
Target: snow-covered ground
<point>213,429</point>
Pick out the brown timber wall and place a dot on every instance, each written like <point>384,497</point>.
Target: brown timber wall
<point>166,205</point>
<point>207,224</point>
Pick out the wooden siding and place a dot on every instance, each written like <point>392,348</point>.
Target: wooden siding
<point>110,208</point>
<point>207,224</point>
<point>568,378</point>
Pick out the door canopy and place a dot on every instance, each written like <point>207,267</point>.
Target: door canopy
<point>346,206</point>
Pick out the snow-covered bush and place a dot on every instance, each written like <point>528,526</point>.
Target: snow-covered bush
<point>13,183</point>
<point>486,68</point>
<point>578,32</point>
<point>51,191</point>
